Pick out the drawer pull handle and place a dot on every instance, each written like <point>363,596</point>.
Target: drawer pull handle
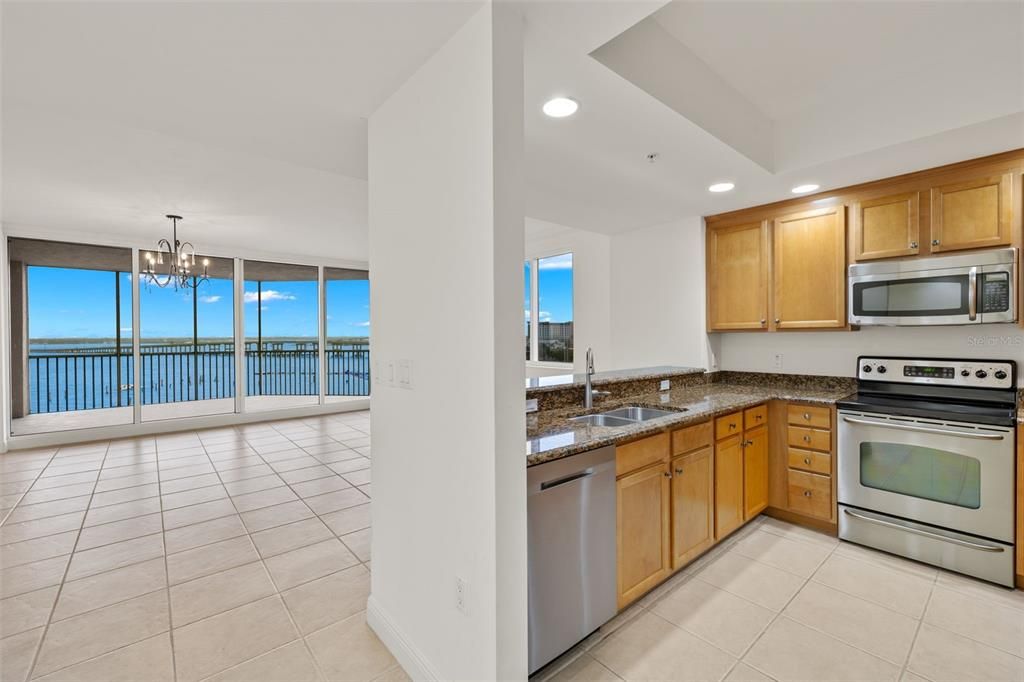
<point>807,439</point>
<point>679,471</point>
<point>757,417</point>
<point>807,416</point>
<point>732,426</point>
<point>668,474</point>
<point>807,493</point>
<point>807,461</point>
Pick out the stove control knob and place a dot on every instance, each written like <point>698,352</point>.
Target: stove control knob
<point>866,369</point>
<point>981,374</point>
<point>965,372</point>
<point>1000,374</point>
<point>881,369</point>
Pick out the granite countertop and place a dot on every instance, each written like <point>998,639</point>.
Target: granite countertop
<point>536,385</point>
<point>551,436</point>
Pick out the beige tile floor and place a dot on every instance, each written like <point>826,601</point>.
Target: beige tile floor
<point>785,603</point>
<point>225,554</point>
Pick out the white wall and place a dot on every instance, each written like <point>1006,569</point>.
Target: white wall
<point>5,354</point>
<point>449,472</point>
<point>591,288</point>
<point>657,297</point>
<point>835,353</point>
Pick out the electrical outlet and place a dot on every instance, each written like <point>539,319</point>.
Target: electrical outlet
<point>460,594</point>
<point>531,405</point>
<point>778,361</point>
<point>665,385</point>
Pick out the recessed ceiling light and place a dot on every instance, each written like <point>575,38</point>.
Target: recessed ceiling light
<point>560,107</point>
<point>721,187</point>
<point>804,189</point>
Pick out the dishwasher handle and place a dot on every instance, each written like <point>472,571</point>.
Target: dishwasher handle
<point>562,480</point>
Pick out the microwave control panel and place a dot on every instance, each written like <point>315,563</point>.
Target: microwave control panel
<point>995,292</point>
<point>966,373</point>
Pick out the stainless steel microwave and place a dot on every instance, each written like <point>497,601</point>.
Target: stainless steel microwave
<point>972,288</point>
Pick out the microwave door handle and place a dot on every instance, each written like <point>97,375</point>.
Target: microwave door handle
<point>972,294</point>
<point>924,429</point>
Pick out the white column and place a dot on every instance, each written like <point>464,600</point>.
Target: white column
<point>446,249</point>
<point>5,347</point>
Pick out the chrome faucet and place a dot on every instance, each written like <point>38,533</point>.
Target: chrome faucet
<point>588,391</point>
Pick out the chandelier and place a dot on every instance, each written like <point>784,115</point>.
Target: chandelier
<point>174,262</point>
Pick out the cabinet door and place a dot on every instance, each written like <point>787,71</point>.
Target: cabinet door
<point>887,227</point>
<point>693,512</point>
<point>644,531</point>
<point>810,269</point>
<point>755,472</point>
<point>728,485</point>
<point>971,214</point>
<point>737,277</point>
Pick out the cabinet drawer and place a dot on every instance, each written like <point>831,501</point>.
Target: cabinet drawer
<point>755,416</point>
<point>641,453</point>
<point>814,417</point>
<point>691,438</point>
<point>810,494</point>
<point>808,460</point>
<point>812,439</point>
<point>729,425</point>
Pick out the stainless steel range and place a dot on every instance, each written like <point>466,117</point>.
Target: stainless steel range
<point>926,462</point>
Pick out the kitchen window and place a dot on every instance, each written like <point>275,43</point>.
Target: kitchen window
<point>549,308</point>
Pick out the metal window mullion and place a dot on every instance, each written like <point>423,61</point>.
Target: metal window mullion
<point>322,333</point>
<point>136,341</point>
<point>240,378</point>
<point>534,311</point>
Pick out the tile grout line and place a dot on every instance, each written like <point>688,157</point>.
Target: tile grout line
<point>28,489</point>
<point>167,572</point>
<point>60,588</point>
<point>904,669</point>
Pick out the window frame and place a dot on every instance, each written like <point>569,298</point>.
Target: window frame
<point>532,258</point>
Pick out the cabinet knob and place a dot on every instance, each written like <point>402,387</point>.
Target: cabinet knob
<point>679,471</point>
<point>777,320</point>
<point>807,416</point>
<point>764,322</point>
<point>913,245</point>
<point>732,426</point>
<point>668,474</point>
<point>757,417</point>
<point>807,439</point>
<point>807,493</point>
<point>935,242</point>
<point>807,461</point>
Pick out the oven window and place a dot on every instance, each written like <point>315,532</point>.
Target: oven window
<point>926,473</point>
<point>912,297</point>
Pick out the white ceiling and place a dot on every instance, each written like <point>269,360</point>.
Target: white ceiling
<point>250,118</point>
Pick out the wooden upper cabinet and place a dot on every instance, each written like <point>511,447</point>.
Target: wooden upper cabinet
<point>887,227</point>
<point>810,269</point>
<point>971,214</point>
<point>737,277</point>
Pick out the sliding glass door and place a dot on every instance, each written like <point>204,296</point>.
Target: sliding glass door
<point>71,336</point>
<point>187,348</point>
<point>282,335</point>
<point>347,318</point>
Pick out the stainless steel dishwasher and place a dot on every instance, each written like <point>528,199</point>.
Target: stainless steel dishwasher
<point>571,551</point>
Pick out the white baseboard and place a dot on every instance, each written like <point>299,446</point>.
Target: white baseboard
<point>407,655</point>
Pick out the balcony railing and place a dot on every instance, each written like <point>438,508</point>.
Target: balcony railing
<point>93,378</point>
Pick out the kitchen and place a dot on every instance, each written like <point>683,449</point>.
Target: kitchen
<point>907,453</point>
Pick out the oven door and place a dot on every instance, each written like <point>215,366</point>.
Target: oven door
<point>948,474</point>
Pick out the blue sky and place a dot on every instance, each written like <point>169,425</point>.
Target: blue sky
<point>80,303</point>
<point>554,287</point>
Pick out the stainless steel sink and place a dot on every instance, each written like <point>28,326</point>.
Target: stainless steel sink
<point>639,414</point>
<point>602,420</point>
<point>624,416</point>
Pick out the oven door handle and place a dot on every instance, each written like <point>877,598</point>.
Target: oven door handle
<point>927,534</point>
<point>926,429</point>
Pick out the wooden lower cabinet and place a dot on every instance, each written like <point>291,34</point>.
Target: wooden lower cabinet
<point>693,496</point>
<point>755,472</point>
<point>810,494</point>
<point>728,485</point>
<point>1020,507</point>
<point>644,531</point>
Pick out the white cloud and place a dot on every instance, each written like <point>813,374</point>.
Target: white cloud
<point>563,262</point>
<point>362,324</point>
<point>544,315</point>
<point>209,299</point>
<point>267,295</point>
<point>126,330</point>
